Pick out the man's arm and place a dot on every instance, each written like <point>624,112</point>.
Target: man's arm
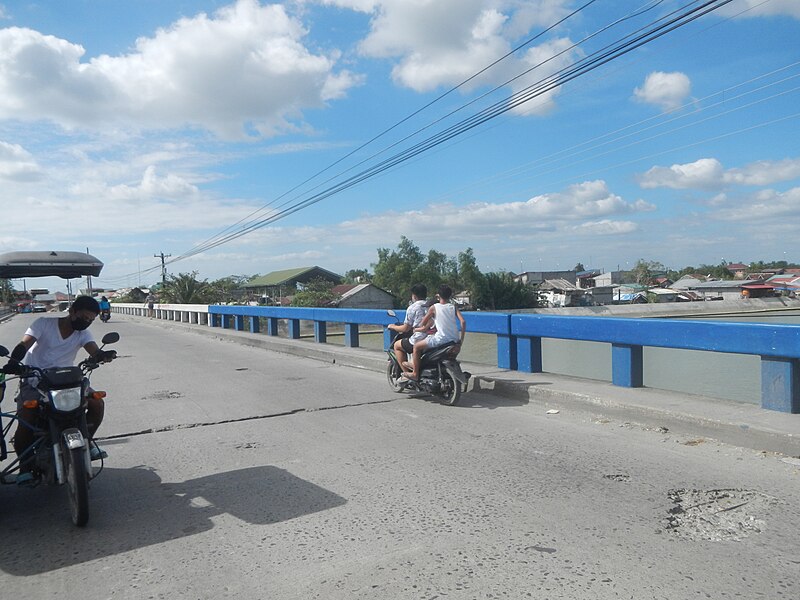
<point>425,324</point>
<point>21,349</point>
<point>463,325</point>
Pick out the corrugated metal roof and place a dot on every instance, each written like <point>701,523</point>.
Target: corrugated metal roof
<point>289,276</point>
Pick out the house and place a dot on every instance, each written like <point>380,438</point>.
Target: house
<point>687,282</point>
<point>284,283</point>
<point>610,278</point>
<point>362,295</point>
<point>586,279</point>
<point>600,295</point>
<point>658,294</point>
<point>560,292</point>
<point>462,299</point>
<point>719,290</point>
<point>738,270</point>
<point>538,277</point>
<point>757,290</point>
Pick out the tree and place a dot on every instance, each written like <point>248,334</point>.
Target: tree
<point>227,289</point>
<point>185,288</point>
<point>6,291</point>
<point>471,279</point>
<point>355,276</point>
<point>579,267</point>
<point>397,270</point>
<point>644,271</point>
<point>503,293</point>
<point>317,292</point>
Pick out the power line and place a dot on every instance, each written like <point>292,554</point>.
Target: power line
<point>610,52</point>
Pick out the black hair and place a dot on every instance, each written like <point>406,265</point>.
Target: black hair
<point>86,303</point>
<point>420,291</point>
<point>445,292</point>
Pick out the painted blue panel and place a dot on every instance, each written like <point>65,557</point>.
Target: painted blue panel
<point>780,384</point>
<point>488,322</point>
<point>627,365</point>
<point>739,338</point>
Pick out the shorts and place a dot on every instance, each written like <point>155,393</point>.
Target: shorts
<point>406,345</point>
<point>434,342</point>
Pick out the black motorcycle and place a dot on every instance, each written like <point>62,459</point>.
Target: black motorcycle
<point>60,453</point>
<point>440,372</point>
<point>105,315</point>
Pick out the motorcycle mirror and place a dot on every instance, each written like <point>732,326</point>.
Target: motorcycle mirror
<point>391,313</point>
<point>3,351</point>
<point>110,338</point>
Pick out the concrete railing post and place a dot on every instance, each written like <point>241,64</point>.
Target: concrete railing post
<point>529,354</point>
<point>627,365</point>
<point>272,325</point>
<point>351,335</point>
<point>780,384</point>
<point>506,352</point>
<point>294,329</point>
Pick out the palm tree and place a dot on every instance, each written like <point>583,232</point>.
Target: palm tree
<point>185,288</point>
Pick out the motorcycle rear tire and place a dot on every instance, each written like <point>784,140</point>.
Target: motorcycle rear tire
<point>393,377</point>
<point>451,388</point>
<point>77,484</point>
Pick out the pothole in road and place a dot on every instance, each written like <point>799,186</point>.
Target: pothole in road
<point>717,515</point>
<point>163,395</point>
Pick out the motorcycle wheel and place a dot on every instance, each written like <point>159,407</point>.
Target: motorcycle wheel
<point>77,485</point>
<point>393,377</point>
<point>451,388</point>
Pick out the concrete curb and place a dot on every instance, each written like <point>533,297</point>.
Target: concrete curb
<point>739,424</point>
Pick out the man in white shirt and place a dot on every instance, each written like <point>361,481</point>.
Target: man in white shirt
<point>414,315</point>
<point>54,342</point>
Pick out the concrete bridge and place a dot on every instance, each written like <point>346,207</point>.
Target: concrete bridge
<point>257,466</point>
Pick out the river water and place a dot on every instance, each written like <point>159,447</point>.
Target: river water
<point>715,374</point>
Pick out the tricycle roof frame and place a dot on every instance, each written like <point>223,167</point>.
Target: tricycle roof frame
<point>48,263</point>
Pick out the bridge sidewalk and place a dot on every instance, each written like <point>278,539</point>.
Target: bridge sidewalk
<point>740,424</point>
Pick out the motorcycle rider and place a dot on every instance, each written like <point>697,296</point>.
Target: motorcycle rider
<point>447,320</point>
<point>48,343</point>
<point>105,305</point>
<point>417,308</point>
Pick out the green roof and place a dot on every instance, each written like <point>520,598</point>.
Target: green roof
<point>290,276</point>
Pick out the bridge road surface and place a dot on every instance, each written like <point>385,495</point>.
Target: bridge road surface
<point>235,472</point>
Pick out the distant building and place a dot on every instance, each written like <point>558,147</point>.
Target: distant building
<point>610,278</point>
<point>738,270</point>
<point>362,295</point>
<point>560,292</point>
<point>283,284</point>
<point>539,277</point>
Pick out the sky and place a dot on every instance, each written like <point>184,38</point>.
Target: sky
<point>244,137</point>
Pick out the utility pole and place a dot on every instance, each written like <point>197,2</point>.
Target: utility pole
<point>162,256</point>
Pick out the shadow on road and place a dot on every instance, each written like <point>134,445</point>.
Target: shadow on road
<point>133,508</point>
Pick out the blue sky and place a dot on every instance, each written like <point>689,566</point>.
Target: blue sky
<point>137,127</point>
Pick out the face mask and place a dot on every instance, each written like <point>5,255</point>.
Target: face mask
<point>79,324</point>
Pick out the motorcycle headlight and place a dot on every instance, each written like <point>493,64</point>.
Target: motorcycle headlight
<point>66,400</point>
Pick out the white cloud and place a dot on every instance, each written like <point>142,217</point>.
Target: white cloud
<point>606,227</point>
<point>709,174</point>
<point>17,164</point>
<point>759,8</point>
<point>243,69</point>
<point>443,42</point>
<point>706,173</point>
<point>665,90</point>
<point>763,206</point>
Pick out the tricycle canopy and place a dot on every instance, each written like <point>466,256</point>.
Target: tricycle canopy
<point>68,265</point>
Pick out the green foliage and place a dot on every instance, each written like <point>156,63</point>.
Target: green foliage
<point>579,267</point>
<point>228,289</point>
<point>355,276</point>
<point>317,292</point>
<point>645,270</point>
<point>503,293</point>
<point>397,270</point>
<point>6,291</point>
<point>185,288</point>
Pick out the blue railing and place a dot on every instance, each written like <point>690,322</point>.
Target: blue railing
<point>519,339</point>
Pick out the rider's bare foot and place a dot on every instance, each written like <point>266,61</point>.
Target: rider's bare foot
<point>410,375</point>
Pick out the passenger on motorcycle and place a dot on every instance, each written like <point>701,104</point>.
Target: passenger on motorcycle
<point>48,343</point>
<point>415,313</point>
<point>104,304</point>
<point>447,319</point>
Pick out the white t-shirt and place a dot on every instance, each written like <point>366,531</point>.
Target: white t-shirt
<point>414,316</point>
<point>50,349</point>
